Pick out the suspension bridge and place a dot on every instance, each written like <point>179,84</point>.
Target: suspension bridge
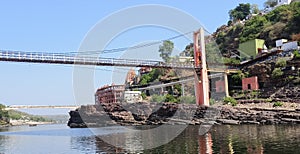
<point>72,59</point>
<point>199,65</point>
<point>16,107</point>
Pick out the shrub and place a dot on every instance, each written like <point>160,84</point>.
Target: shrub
<point>171,98</point>
<point>157,98</point>
<point>277,72</point>
<point>230,100</point>
<point>254,94</point>
<point>296,80</point>
<point>187,99</point>
<point>281,63</point>
<point>277,104</point>
<point>144,96</point>
<point>212,101</point>
<point>296,54</point>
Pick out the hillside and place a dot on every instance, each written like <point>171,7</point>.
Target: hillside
<point>282,22</point>
<point>6,117</point>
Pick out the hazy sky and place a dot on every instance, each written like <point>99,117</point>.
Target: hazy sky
<point>61,26</point>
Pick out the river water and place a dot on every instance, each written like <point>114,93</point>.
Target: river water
<point>59,138</point>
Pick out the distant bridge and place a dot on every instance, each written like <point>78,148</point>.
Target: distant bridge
<point>16,107</point>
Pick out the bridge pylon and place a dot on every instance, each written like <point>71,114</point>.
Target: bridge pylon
<point>201,76</point>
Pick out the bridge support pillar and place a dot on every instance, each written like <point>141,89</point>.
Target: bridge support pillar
<point>201,77</point>
<point>226,84</point>
<point>182,89</point>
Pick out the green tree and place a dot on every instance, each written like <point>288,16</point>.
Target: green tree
<point>240,12</point>
<point>166,50</point>
<point>3,115</point>
<point>295,22</point>
<point>252,28</point>
<point>254,9</point>
<point>145,79</point>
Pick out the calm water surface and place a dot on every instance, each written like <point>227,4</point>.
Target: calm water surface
<point>58,139</point>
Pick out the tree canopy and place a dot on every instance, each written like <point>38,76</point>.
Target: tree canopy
<point>254,9</point>
<point>240,12</point>
<point>166,50</point>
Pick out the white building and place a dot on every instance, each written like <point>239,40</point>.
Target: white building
<point>283,2</point>
<point>132,96</point>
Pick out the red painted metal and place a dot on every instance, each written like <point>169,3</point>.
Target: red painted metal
<point>201,77</point>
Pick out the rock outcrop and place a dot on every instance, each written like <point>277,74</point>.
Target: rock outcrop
<point>171,113</point>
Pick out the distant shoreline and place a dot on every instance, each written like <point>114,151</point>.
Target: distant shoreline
<point>26,122</point>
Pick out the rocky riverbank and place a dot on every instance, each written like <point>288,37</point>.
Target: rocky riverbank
<point>170,113</point>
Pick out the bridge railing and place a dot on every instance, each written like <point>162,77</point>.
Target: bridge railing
<point>79,59</point>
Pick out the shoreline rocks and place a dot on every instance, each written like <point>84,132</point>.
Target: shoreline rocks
<point>170,113</point>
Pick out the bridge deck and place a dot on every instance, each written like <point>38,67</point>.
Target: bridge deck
<point>15,107</point>
<point>55,58</point>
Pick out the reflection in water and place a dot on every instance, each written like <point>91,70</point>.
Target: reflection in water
<point>83,143</point>
<point>250,139</point>
<point>256,139</point>
<point>205,143</point>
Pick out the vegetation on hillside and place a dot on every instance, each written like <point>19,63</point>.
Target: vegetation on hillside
<point>18,115</point>
<point>240,12</point>
<point>246,23</point>
<point>282,22</point>
<point>5,116</point>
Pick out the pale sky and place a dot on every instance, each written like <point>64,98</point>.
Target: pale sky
<point>61,26</point>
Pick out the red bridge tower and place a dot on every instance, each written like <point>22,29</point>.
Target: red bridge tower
<point>201,76</point>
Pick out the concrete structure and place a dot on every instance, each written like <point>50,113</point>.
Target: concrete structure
<point>251,48</point>
<point>290,46</point>
<point>250,83</point>
<point>132,96</point>
<point>280,42</point>
<point>283,2</point>
<point>184,59</point>
<point>110,94</point>
<point>220,86</point>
